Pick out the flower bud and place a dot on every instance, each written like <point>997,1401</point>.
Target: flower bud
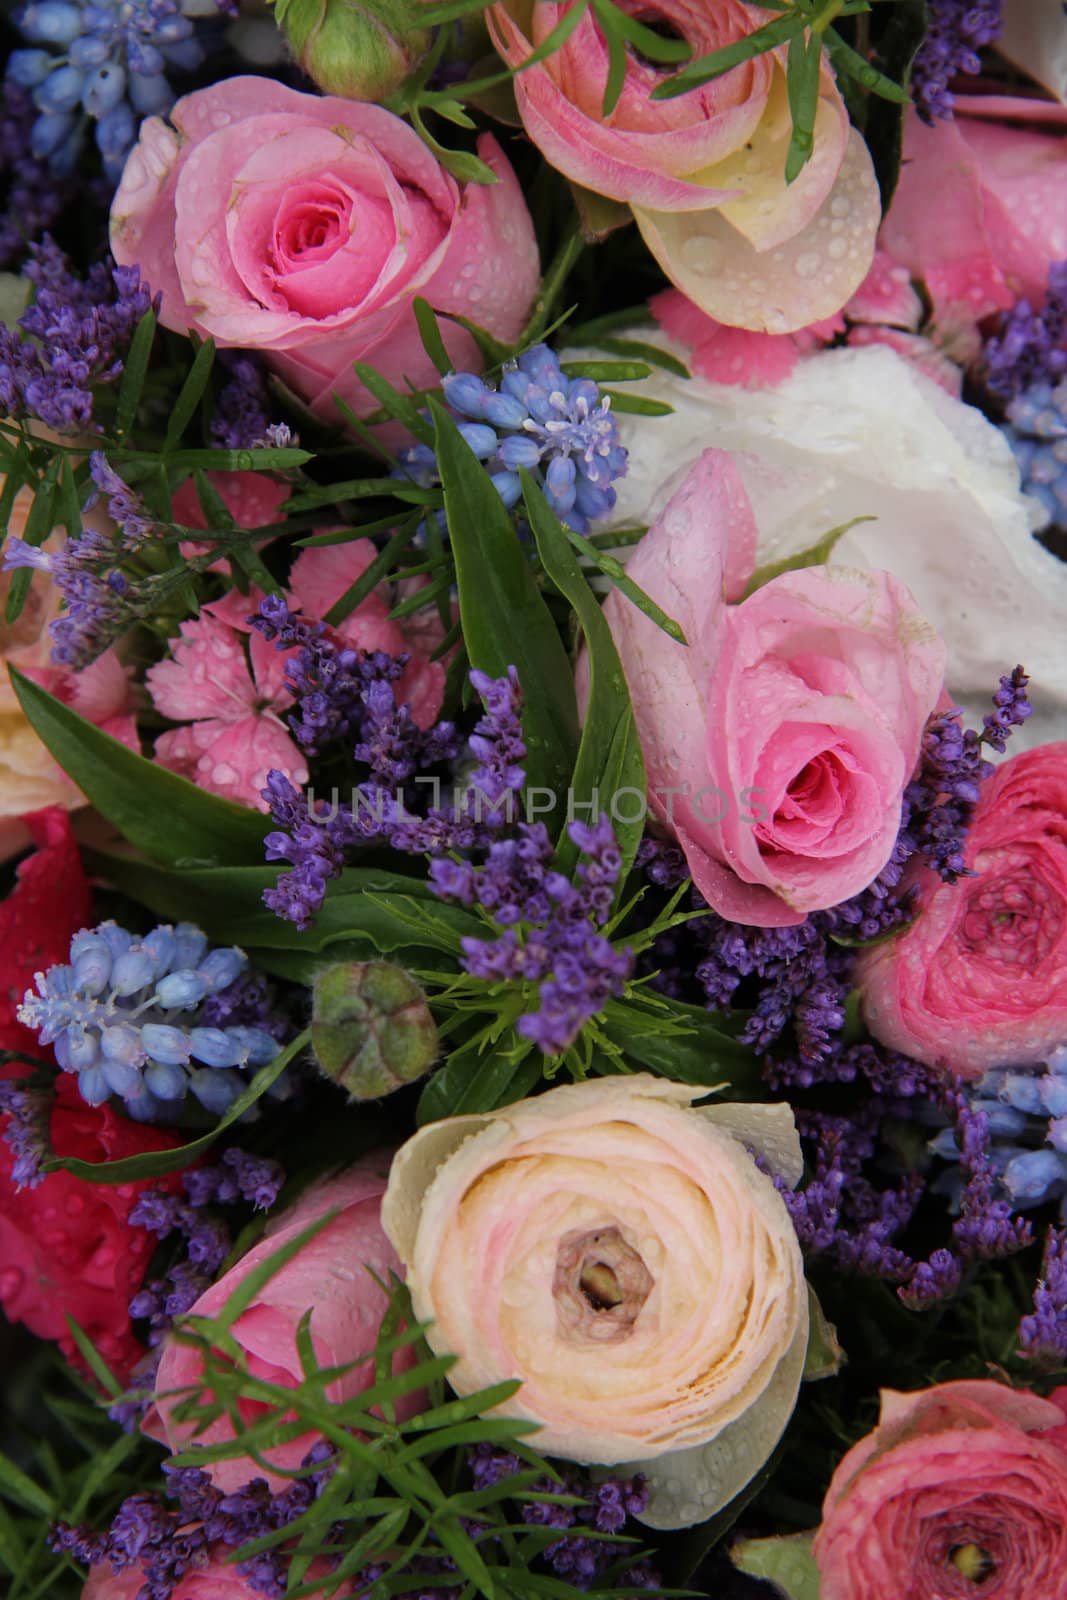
<point>371,1028</point>
<point>359,49</point>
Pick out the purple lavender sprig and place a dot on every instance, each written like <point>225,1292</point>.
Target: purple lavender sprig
<point>955,32</point>
<point>28,1107</point>
<point>1029,348</point>
<point>1043,1334</point>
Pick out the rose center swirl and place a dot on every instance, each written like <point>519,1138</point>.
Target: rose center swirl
<point>600,1285</point>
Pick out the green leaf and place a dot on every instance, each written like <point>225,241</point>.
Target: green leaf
<point>701,1054</point>
<point>396,405</point>
<point>780,31</point>
<point>154,1163</point>
<point>637,405</point>
<point>607,16</point>
<point>825,1357</point>
<point>607,371</point>
<point>134,373</point>
<point>614,569</point>
<point>849,61</point>
<point>190,394</point>
<point>787,1562</point>
<point>15,1485</point>
<point>609,757</point>
<point>473,1082</point>
<point>382,565</point>
<point>93,1359</point>
<point>803,67</point>
<point>463,166</point>
<point>814,556</point>
<point>167,817</point>
<point>39,524</point>
<point>430,334</point>
<point>651,354</point>
<point>649,43</point>
<point>505,619</point>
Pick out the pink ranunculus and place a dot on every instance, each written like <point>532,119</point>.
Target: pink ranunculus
<point>304,226</point>
<point>779,739</point>
<point>980,212</point>
<point>960,1491</point>
<point>332,1275</point>
<point>979,979</point>
<point>704,173</point>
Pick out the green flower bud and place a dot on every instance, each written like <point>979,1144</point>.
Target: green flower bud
<point>359,49</point>
<point>371,1028</point>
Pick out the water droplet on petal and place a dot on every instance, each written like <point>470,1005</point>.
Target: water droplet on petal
<point>807,265</point>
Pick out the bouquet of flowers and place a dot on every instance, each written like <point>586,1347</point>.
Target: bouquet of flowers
<point>533,799</point>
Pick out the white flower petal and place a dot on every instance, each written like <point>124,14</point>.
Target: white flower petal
<point>1035,39</point>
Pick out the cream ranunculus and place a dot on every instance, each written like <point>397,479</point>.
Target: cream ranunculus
<point>860,433</point>
<point>619,1251</point>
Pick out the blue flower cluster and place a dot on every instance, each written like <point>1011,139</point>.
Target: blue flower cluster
<point>1037,433</point>
<point>126,1016</point>
<point>1026,1113</point>
<point>560,429</point>
<point>105,62</point>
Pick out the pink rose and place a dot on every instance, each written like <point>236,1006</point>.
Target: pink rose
<point>304,226</point>
<point>980,212</point>
<point>704,172</point>
<point>779,740</point>
<point>334,1276</point>
<point>979,979</point>
<point>958,1492</point>
<point>219,1579</point>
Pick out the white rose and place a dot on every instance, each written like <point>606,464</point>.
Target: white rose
<point>857,433</point>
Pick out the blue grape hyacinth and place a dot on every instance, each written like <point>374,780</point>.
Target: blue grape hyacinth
<point>1026,1113</point>
<point>1037,433</point>
<point>126,1016</point>
<point>105,62</point>
<point>560,429</point>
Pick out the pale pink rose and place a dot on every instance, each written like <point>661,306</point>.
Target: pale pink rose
<point>304,226</point>
<point>227,685</point>
<point>218,1579</point>
<point>979,979</point>
<point>779,739</point>
<point>620,1252</point>
<point>960,1491</point>
<point>980,211</point>
<point>333,1276</point>
<point>704,173</point>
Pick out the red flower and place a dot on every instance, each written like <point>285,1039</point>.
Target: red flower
<point>48,905</point>
<point>67,1245</point>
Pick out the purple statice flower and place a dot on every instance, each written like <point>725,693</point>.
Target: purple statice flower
<point>126,509</point>
<point>250,1001</point>
<point>1043,1334</point>
<point>70,340</point>
<point>240,1178</point>
<point>316,839</point>
<point>35,197</point>
<point>241,414</point>
<point>955,32</point>
<point>28,1108</point>
<point>550,935</point>
<point>1029,348</point>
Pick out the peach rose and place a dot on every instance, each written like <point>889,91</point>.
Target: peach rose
<point>779,739</point>
<point>704,172</point>
<point>304,226</point>
<point>958,1492</point>
<point>620,1252</point>
<point>29,777</point>
<point>979,979</point>
<point>333,1275</point>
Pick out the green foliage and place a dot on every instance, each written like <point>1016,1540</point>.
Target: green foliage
<point>786,1562</point>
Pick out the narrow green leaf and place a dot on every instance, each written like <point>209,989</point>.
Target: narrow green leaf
<point>702,1054</point>
<point>469,1083</point>
<point>637,405</point>
<point>814,556</point>
<point>168,817</point>
<point>93,1359</point>
<point>69,508</point>
<point>645,40</point>
<point>15,1485</point>
<point>650,354</point>
<point>493,350</point>
<point>607,371</point>
<point>154,1163</point>
<point>713,65</point>
<point>396,405</point>
<point>608,17</point>
<point>610,752</point>
<point>430,334</point>
<point>190,394</point>
<point>505,619</point>
<point>134,373</point>
<point>803,67</point>
<point>614,569</point>
<point>847,60</point>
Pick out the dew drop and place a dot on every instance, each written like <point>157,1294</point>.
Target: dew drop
<point>837,248</point>
<point>11,1281</point>
<point>807,265</point>
<point>840,205</point>
<point>700,255</point>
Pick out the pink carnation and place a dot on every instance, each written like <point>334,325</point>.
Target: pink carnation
<point>227,684</point>
<point>333,1275</point>
<point>979,979</point>
<point>960,1491</point>
<point>779,739</point>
